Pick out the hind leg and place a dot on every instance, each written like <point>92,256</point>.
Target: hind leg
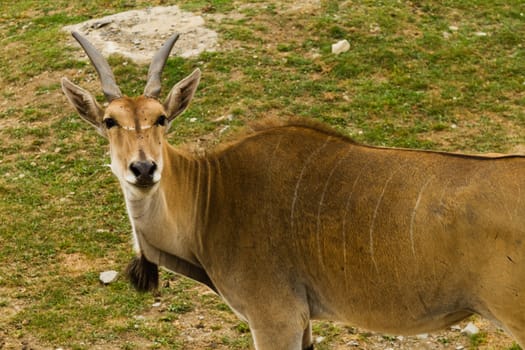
<point>510,317</point>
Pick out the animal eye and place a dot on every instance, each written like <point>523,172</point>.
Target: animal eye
<point>110,122</point>
<point>161,121</point>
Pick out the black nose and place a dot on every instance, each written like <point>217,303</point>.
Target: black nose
<point>143,171</point>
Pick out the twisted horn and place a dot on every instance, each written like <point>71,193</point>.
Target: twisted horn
<point>109,86</point>
<point>153,85</point>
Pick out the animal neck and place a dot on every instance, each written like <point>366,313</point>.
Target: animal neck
<point>170,219</point>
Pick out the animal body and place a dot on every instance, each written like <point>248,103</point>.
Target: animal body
<point>294,222</point>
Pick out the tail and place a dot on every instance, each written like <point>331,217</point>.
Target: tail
<point>143,274</point>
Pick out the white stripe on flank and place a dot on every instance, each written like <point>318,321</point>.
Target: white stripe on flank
<point>413,217</point>
<point>372,224</point>
<point>321,201</point>
<point>301,174</point>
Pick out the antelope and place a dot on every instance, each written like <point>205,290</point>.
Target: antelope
<point>294,221</point>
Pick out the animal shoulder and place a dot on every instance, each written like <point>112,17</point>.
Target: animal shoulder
<point>275,128</point>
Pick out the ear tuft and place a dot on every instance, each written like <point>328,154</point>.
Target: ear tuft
<point>143,274</point>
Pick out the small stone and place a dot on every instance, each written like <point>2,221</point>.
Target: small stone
<point>456,328</point>
<point>422,336</point>
<point>319,339</point>
<point>108,277</point>
<point>480,34</point>
<point>470,329</point>
<point>223,129</point>
<point>157,304</point>
<point>340,47</point>
<point>453,28</point>
<point>460,347</point>
<point>353,343</point>
<point>228,117</point>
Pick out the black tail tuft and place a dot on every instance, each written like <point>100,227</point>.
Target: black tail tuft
<point>143,274</point>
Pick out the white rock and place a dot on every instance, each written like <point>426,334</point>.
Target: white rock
<point>480,34</point>
<point>470,329</point>
<point>148,28</point>
<point>455,328</point>
<point>340,47</point>
<point>460,347</point>
<point>319,339</point>
<point>453,28</point>
<point>223,129</point>
<point>422,336</point>
<point>108,277</point>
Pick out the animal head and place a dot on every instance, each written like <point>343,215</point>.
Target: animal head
<point>135,127</point>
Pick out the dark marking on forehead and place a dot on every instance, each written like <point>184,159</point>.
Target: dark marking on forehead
<point>137,123</point>
<point>142,155</point>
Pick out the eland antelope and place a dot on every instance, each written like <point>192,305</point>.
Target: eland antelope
<point>294,222</point>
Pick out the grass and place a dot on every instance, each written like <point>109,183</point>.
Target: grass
<point>445,76</point>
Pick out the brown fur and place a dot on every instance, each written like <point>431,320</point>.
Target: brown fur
<point>294,222</point>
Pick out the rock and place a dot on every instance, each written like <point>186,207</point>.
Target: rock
<point>99,24</point>
<point>422,336</point>
<point>108,277</point>
<point>455,328</point>
<point>137,34</point>
<point>228,117</point>
<point>470,329</point>
<point>340,47</point>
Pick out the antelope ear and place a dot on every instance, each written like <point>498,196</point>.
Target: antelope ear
<point>181,94</point>
<point>85,104</point>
